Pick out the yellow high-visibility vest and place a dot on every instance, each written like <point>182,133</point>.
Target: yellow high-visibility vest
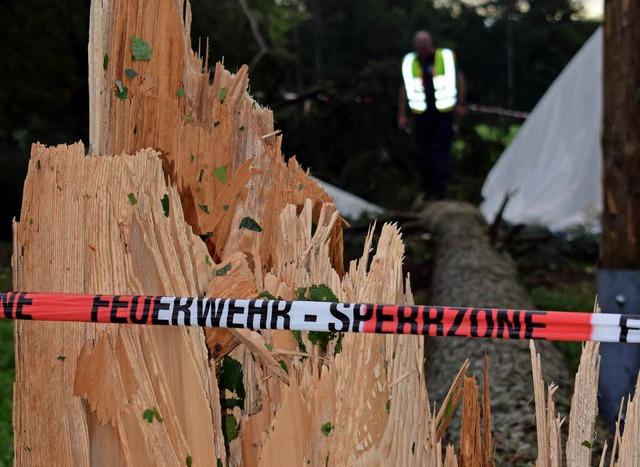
<point>444,81</point>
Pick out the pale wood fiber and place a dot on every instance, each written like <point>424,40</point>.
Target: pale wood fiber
<point>81,389</point>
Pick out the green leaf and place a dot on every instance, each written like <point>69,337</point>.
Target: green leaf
<point>105,62</point>
<point>586,444</point>
<point>322,293</point>
<point>299,186</point>
<point>316,293</point>
<point>132,199</point>
<point>189,461</point>
<point>130,73</point>
<point>241,128</point>
<point>200,176</point>
<point>180,93</point>
<point>320,338</point>
<point>222,271</point>
<point>206,260</point>
<point>122,92</point>
<point>268,346</point>
<point>223,95</point>
<point>124,95</point>
<point>231,377</point>
<point>221,173</point>
<point>204,207</point>
<point>206,235</point>
<point>165,204</point>
<point>265,294</point>
<point>62,358</point>
<point>250,224</point>
<point>284,366</point>
<point>219,462</point>
<point>326,428</point>
<point>187,118</point>
<point>297,335</point>
<point>230,428</point>
<point>338,348</point>
<point>315,336</point>
<point>448,411</point>
<point>140,49</point>
<point>150,414</point>
<point>225,207</point>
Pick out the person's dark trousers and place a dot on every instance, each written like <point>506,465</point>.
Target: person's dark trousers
<point>434,134</point>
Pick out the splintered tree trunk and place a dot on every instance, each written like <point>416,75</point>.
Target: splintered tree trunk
<point>620,248</point>
<point>176,164</point>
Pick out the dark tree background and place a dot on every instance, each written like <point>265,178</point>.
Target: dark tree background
<point>43,87</point>
<point>328,68</point>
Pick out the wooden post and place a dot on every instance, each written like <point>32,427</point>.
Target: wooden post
<point>619,276</point>
<point>621,137</point>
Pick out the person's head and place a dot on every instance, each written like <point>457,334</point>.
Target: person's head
<point>422,43</point>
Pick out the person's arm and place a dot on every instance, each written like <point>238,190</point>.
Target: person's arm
<point>402,108</point>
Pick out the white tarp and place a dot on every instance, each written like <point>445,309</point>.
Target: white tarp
<point>553,167</point>
<point>349,205</point>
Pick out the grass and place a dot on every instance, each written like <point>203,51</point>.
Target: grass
<point>566,297</point>
<point>578,296</point>
<point>7,377</point>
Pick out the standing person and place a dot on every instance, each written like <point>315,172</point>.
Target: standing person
<point>434,91</point>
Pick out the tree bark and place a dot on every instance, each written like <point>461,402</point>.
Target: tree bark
<point>621,136</point>
<point>468,271</point>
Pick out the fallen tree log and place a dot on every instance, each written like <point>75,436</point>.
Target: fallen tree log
<point>468,271</point>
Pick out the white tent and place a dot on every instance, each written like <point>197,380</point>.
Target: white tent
<point>552,168</point>
<point>349,205</point>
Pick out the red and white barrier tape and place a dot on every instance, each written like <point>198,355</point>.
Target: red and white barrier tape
<point>322,316</point>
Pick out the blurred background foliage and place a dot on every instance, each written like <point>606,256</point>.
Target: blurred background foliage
<point>331,72</point>
<point>329,69</point>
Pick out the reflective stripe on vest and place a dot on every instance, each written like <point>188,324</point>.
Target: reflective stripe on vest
<point>444,81</point>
